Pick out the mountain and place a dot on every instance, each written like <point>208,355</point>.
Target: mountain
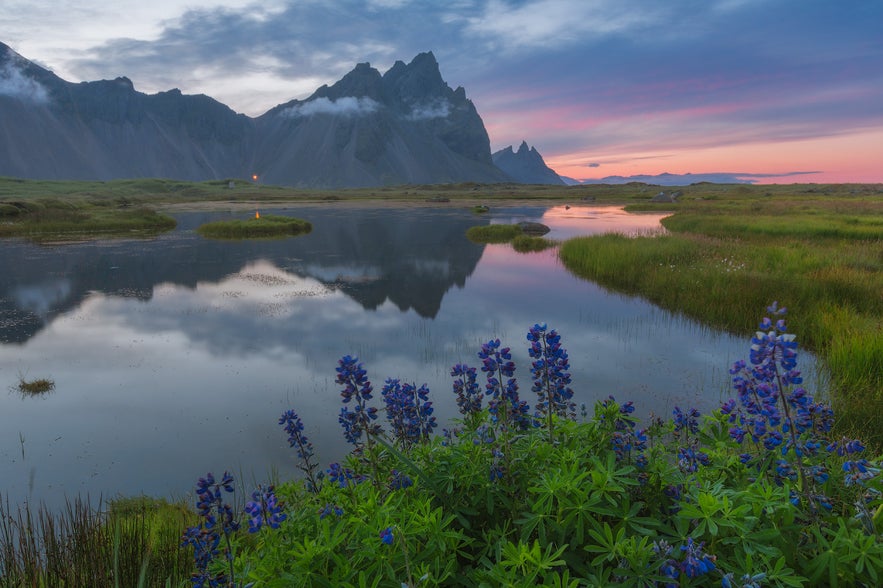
<point>368,129</point>
<point>525,165</point>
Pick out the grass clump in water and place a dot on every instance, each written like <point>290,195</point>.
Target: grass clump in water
<point>493,233</point>
<point>261,227</point>
<point>528,244</point>
<point>35,387</point>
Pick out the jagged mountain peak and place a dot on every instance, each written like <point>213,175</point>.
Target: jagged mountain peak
<point>525,165</point>
<point>367,129</point>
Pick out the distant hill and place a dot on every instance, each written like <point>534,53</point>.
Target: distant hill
<point>404,126</point>
<point>526,165</point>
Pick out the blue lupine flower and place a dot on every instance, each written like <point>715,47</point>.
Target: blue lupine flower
<point>467,389</point>
<point>296,438</point>
<point>689,459</point>
<point>386,536</point>
<point>342,476</point>
<point>497,364</point>
<point>399,480</point>
<point>264,508</point>
<point>551,380</point>
<point>206,537</point>
<point>357,388</point>
<point>686,422</point>
<point>330,509</point>
<point>409,411</point>
<point>696,562</point>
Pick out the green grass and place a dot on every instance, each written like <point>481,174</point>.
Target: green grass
<point>528,244</point>
<point>50,218</point>
<point>493,233</point>
<point>266,226</point>
<point>131,542</point>
<point>821,256</point>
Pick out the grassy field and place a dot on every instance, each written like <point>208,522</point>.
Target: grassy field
<point>733,250</point>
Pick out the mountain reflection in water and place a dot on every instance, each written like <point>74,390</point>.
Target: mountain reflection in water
<point>175,356</point>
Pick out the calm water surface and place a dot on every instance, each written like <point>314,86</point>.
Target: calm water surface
<point>175,356</point>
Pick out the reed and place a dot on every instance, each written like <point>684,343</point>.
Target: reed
<point>134,542</point>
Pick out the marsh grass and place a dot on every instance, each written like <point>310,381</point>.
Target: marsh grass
<point>133,542</point>
<point>493,233</point>
<point>723,258</point>
<point>50,218</point>
<point>528,244</point>
<point>35,387</point>
<point>266,226</point>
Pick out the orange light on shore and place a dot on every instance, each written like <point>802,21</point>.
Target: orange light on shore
<point>254,178</point>
<point>257,214</point>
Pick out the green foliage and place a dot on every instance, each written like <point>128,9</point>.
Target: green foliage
<point>266,226</point>
<point>572,513</point>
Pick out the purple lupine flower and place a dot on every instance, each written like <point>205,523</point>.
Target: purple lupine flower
<point>206,537</point>
<point>551,378</point>
<point>357,388</point>
<point>330,509</point>
<point>686,423</point>
<point>264,508</point>
<point>386,536</point>
<point>296,438</point>
<point>497,364</point>
<point>696,562</point>
<point>467,389</point>
<point>409,411</point>
<point>399,480</point>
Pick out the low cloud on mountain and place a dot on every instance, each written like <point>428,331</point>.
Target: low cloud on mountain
<point>13,82</point>
<point>345,106</point>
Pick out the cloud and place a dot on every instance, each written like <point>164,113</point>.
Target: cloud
<point>667,179</point>
<point>552,23</point>
<point>15,83</point>
<point>437,109</point>
<point>346,106</point>
<point>593,165</point>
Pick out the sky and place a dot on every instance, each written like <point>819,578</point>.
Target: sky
<point>768,91</point>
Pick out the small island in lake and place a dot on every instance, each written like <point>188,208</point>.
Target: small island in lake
<point>259,227</point>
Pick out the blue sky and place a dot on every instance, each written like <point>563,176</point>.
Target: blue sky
<point>600,87</point>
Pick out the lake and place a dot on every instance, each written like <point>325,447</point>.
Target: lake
<point>176,356</point>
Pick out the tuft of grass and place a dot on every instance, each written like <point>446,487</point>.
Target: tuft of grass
<point>480,209</point>
<point>528,244</point>
<point>267,226</point>
<point>35,387</point>
<point>493,233</point>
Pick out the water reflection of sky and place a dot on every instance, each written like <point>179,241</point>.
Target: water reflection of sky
<point>190,373</point>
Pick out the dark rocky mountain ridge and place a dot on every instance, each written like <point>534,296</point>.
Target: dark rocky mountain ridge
<point>368,129</point>
<point>526,165</point>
